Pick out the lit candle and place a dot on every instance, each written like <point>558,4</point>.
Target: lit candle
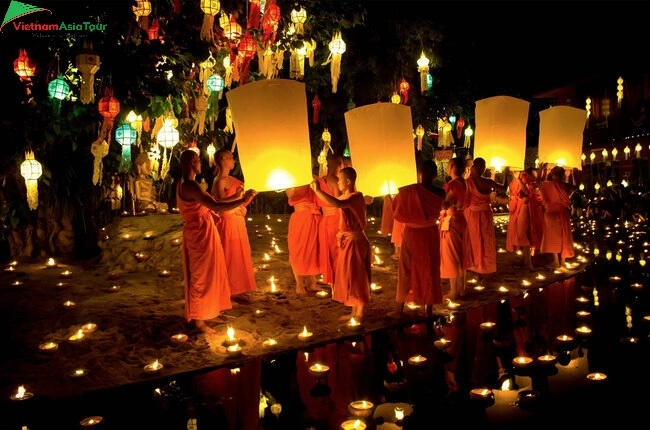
<point>264,266</point>
<point>481,394</point>
<point>51,263</point>
<point>162,211</point>
<point>230,337</point>
<point>17,283</point>
<point>126,237</point>
<point>270,343</point>
<point>540,277</point>
<point>62,285</point>
<point>547,359</point>
<point>176,242</point>
<point>417,360</point>
<point>488,325</point>
<point>479,288</point>
<point>525,283</point>
<point>10,269</point>
<point>141,256</point>
<point>452,305</point>
<point>353,425</point>
<point>322,294</point>
<point>583,330</point>
<point>442,343</point>
<point>234,350</point>
<point>360,408</point>
<point>78,373</point>
<point>319,370</point>
<point>563,338</point>
<point>375,288</point>
<point>77,336</point>
<point>614,279</point>
<point>69,304</point>
<point>636,286</point>
<point>399,413</point>
<point>13,263</point>
<point>164,273</point>
<point>21,394</point>
<point>259,312</point>
<point>583,314</point>
<point>113,289</point>
<point>521,361</point>
<point>304,334</point>
<point>596,376</point>
<point>66,274</point>
<point>48,346</point>
<point>353,324</point>
<point>88,328</point>
<point>153,367</point>
<point>582,299</point>
<point>91,421</point>
<point>503,289</point>
<point>179,338</point>
<point>267,257</point>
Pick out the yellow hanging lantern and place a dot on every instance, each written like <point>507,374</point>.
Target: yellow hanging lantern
<point>141,10</point>
<point>626,151</point>
<point>210,8</point>
<point>468,136</point>
<point>99,149</point>
<point>419,132</point>
<point>423,68</point>
<point>337,48</point>
<point>619,90</point>
<point>637,150</point>
<point>588,106</point>
<point>167,137</point>
<point>614,154</point>
<point>31,170</point>
<point>592,157</point>
<point>201,110</point>
<point>87,61</point>
<point>136,122</point>
<point>605,154</point>
<point>211,150</point>
<point>227,78</point>
<point>298,17</point>
<point>583,157</point>
<point>395,98</point>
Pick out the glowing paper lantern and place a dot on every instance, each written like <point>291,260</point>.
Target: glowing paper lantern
<point>419,132</point>
<point>24,66</point>
<point>271,121</point>
<point>215,83</point>
<point>125,135</point>
<point>31,170</point>
<point>270,21</point>
<point>423,68</point>
<point>619,90</point>
<point>211,150</point>
<point>58,88</point>
<point>561,131</point>
<point>588,106</point>
<point>395,98</point>
<point>298,17</point>
<point>232,30</point>
<point>87,61</point>
<point>210,8</point>
<point>246,50</point>
<point>337,48</point>
<point>500,134</point>
<point>108,107</point>
<point>153,30</point>
<point>141,10</point>
<point>404,90</point>
<point>381,146</point>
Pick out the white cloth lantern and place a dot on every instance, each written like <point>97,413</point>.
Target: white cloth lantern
<point>31,170</point>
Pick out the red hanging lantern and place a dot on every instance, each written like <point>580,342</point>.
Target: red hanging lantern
<point>404,90</point>
<point>460,124</point>
<point>153,30</point>
<point>24,66</point>
<point>270,22</point>
<point>108,107</point>
<point>316,105</point>
<point>253,14</point>
<point>246,49</point>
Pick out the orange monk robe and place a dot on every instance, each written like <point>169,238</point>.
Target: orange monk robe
<point>207,291</point>
<point>387,217</point>
<point>454,239</point>
<point>352,278</point>
<point>518,220</point>
<point>236,247</point>
<point>397,234</point>
<point>480,227</point>
<point>327,230</point>
<point>302,236</point>
<point>557,236</point>
<point>536,215</point>
<point>419,260</point>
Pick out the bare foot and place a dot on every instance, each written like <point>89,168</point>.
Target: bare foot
<point>300,292</point>
<point>201,325</point>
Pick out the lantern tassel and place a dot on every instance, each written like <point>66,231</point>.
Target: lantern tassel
<point>201,110</point>
<point>335,71</point>
<point>32,193</point>
<point>206,27</point>
<point>229,127</point>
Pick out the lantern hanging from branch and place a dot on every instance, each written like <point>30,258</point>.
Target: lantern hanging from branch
<point>201,110</point>
<point>229,128</point>
<point>125,135</point>
<point>254,14</point>
<point>99,149</point>
<point>337,48</point>
<point>561,130</point>
<point>315,105</point>
<point>395,98</point>
<point>619,90</point>
<point>211,150</point>
<point>31,170</point>
<point>141,10</point>
<point>468,137</point>
<point>153,30</point>
<point>404,87</point>
<point>419,132</point>
<point>270,22</point>
<point>87,61</point>
<point>25,69</point>
<point>298,18</point>
<point>136,122</point>
<point>246,52</point>
<point>58,88</point>
<point>423,68</point>
<point>210,8</point>
<point>167,137</point>
<point>459,127</point>
<point>108,107</point>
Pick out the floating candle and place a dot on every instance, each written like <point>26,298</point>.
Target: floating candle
<point>13,263</point>
<point>91,421</point>
<point>153,367</point>
<point>17,283</point>
<point>48,346</point>
<point>502,289</point>
<point>452,305</point>
<point>540,277</point>
<point>563,338</point>
<point>127,237</point>
<point>141,256</point>
<point>259,312</point>
<point>264,266</point>
<point>614,279</point>
<point>583,314</point>
<point>88,328</point>
<point>179,338</point>
<point>525,283</point>
<point>10,269</point>
<point>353,324</point>
<point>304,334</point>
<point>582,299</point>
<point>319,370</point>
<point>361,408</point>
<point>21,394</point>
<point>417,360</point>
<point>636,286</point>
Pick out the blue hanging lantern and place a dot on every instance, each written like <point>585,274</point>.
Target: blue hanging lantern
<point>429,81</point>
<point>58,88</point>
<point>452,119</point>
<point>125,135</point>
<point>215,83</point>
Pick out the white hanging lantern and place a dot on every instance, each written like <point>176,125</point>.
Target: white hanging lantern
<point>423,68</point>
<point>298,17</point>
<point>31,170</point>
<point>167,137</point>
<point>337,48</point>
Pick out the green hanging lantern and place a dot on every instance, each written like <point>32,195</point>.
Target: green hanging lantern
<point>58,88</point>
<point>125,135</point>
<point>215,83</point>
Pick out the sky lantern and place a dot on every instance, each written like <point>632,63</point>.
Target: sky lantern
<point>141,10</point>
<point>337,48</point>
<point>423,68</point>
<point>272,135</point>
<point>87,61</point>
<point>31,170</point>
<point>108,107</point>
<point>125,135</point>
<point>500,134</point>
<point>381,147</point>
<point>298,17</point>
<point>561,131</point>
<point>210,8</point>
<point>404,87</point>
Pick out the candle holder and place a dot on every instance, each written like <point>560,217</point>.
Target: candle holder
<point>417,360</point>
<point>304,334</point>
<point>361,408</point>
<point>153,367</point>
<point>48,347</point>
<point>547,360</point>
<point>597,376</point>
<point>91,421</point>
<point>353,425</point>
<point>88,328</point>
<point>66,274</point>
<point>270,343</point>
<point>164,273</point>
<point>528,398</point>
<point>522,362</point>
<point>234,350</point>
<point>78,373</point>
<point>442,343</point>
<point>113,289</point>
<point>482,394</point>
<point>318,370</point>
<point>179,338</point>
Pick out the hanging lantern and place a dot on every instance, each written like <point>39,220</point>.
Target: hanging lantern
<point>210,8</point>
<point>395,98</point>
<point>337,48</point>
<point>211,150</point>
<point>224,19</point>
<point>99,149</point>
<point>58,88</point>
<point>316,105</point>
<point>254,14</point>
<point>136,122</point>
<point>153,30</point>
<point>468,136</point>
<point>404,90</point>
<point>583,157</point>
<point>108,107</point>
<point>588,106</point>
<point>605,154</point>
<point>619,90</point>
<point>232,30</point>
<point>246,49</point>
<point>326,137</point>
<point>31,170</point>
<point>592,157</point>
<point>215,83</point>
<point>167,137</point>
<point>201,106</point>
<point>87,61</point>
<point>423,68</point>
<point>141,10</point>
<point>637,150</point>
<point>24,66</point>
<point>298,17</point>
<point>429,82</point>
<point>270,21</point>
<point>614,154</point>
<point>626,151</point>
<point>459,127</point>
<point>125,135</point>
<point>419,132</point>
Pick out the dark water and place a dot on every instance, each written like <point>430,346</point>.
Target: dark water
<point>435,394</point>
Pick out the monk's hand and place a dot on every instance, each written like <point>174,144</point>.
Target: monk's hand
<point>240,191</point>
<point>315,186</point>
<point>248,196</point>
<point>515,173</point>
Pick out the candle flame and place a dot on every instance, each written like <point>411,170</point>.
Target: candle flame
<point>21,392</point>
<point>357,424</point>
<point>266,257</point>
<point>506,385</point>
<point>156,364</point>
<point>230,333</point>
<point>304,331</point>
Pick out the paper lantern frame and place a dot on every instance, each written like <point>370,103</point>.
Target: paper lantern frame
<point>24,66</point>
<point>58,88</point>
<point>126,135</point>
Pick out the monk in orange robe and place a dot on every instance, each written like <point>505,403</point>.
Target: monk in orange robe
<point>526,217</point>
<point>418,207</point>
<point>480,221</point>
<point>232,229</point>
<point>352,277</point>
<point>207,290</point>
<point>329,225</point>
<point>302,238</point>
<point>454,238</point>
<point>557,237</point>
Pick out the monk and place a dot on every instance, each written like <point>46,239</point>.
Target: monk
<point>557,237</point>
<point>329,225</point>
<point>352,277</point>
<point>454,240</point>
<point>232,229</point>
<point>207,291</point>
<point>418,207</point>
<point>526,216</point>
<point>302,238</point>
<point>480,221</point>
